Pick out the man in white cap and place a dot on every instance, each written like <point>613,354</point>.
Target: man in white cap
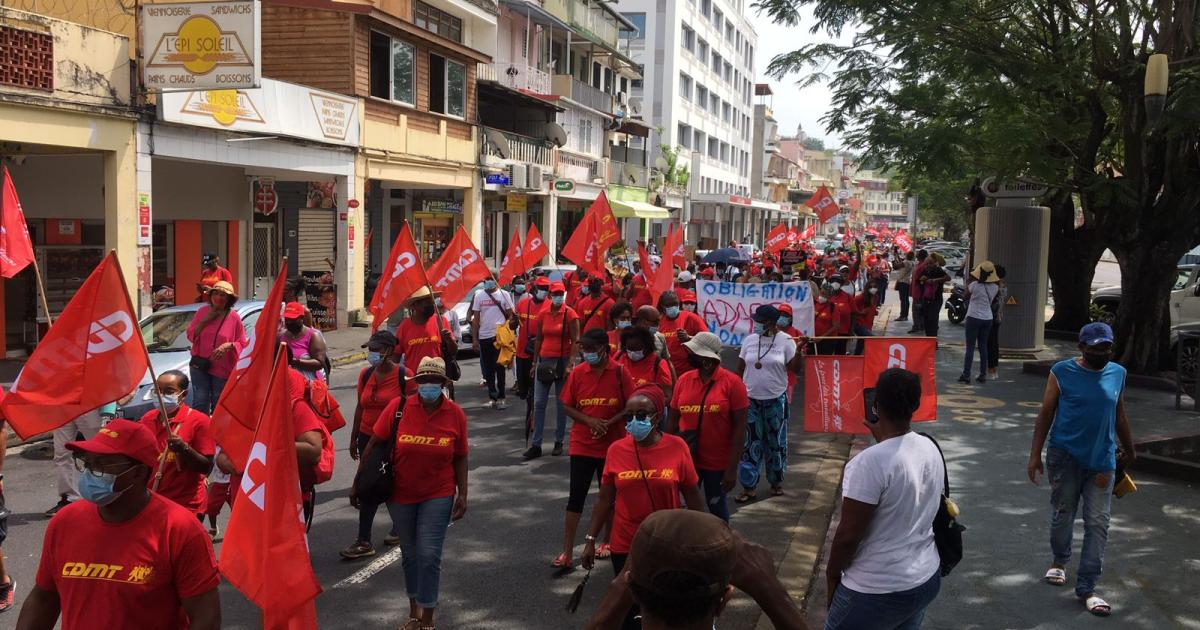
<point>685,280</point>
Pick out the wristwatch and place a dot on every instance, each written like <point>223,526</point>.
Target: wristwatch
<point>589,538</point>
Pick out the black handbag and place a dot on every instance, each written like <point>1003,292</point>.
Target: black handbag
<point>453,370</point>
<point>550,370</point>
<point>376,477</point>
<point>692,436</point>
<point>947,531</point>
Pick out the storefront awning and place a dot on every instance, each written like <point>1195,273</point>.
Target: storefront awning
<point>638,210</point>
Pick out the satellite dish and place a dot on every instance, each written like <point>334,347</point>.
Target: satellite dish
<point>635,106</point>
<point>661,164</point>
<point>556,134</point>
<point>498,140</point>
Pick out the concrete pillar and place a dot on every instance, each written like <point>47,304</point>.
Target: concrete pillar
<point>143,300</point>
<point>550,227</point>
<point>121,218</point>
<point>473,209</point>
<point>1017,237</point>
<point>348,268</point>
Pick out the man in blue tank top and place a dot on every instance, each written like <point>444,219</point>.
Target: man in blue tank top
<point>1083,414</point>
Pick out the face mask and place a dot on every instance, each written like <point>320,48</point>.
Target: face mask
<point>695,361</point>
<point>489,285</point>
<point>635,355</point>
<point>425,311</point>
<point>787,278</point>
<point>622,324</point>
<point>539,294</point>
<point>429,392</point>
<point>654,330</point>
<point>759,328</point>
<point>836,285</point>
<point>874,291</point>
<point>374,358</point>
<point>294,327</point>
<point>822,299</point>
<point>171,402</point>
<point>784,321</point>
<point>518,288</point>
<point>672,312</point>
<point>691,308</point>
<point>584,290</point>
<point>592,358</point>
<point>99,490</point>
<point>557,300</point>
<point>639,427</point>
<point>437,302</point>
<point>1096,361</point>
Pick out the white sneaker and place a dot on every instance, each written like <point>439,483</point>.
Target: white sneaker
<point>500,404</point>
<point>491,404</point>
<point>483,382</point>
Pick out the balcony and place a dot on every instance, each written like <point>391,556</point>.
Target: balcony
<point>517,76</point>
<point>44,57</point>
<point>627,174</point>
<point>520,149</point>
<point>579,167</point>
<point>593,21</point>
<point>582,93</point>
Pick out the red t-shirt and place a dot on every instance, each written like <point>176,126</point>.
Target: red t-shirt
<point>614,342</point>
<point>688,322</point>
<point>126,575</point>
<point>426,445</point>
<point>842,299</point>
<point>556,342</point>
<point>865,309</point>
<point>527,310</point>
<point>600,396</point>
<point>666,468</point>
<point>825,319</point>
<point>651,369</point>
<point>179,483</point>
<point>374,393</point>
<point>601,305</point>
<point>418,341</point>
<point>794,333</point>
<point>727,395</point>
<point>210,278</point>
<point>572,282</point>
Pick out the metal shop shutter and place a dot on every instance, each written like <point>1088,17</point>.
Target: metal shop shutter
<point>316,239</point>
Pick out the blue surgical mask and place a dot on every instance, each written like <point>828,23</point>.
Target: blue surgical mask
<point>691,308</point>
<point>557,300</point>
<point>672,312</point>
<point>622,324</point>
<point>635,355</point>
<point>489,285</point>
<point>639,427</point>
<point>592,358</point>
<point>784,321</point>
<point>518,288</point>
<point>99,490</point>
<point>759,328</point>
<point>171,402</point>
<point>540,294</point>
<point>584,290</point>
<point>374,358</point>
<point>429,392</point>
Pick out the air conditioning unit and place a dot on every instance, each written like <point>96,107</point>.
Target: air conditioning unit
<point>535,176</point>
<point>622,98</point>
<point>519,176</point>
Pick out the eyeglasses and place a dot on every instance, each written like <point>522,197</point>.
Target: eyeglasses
<point>81,465</point>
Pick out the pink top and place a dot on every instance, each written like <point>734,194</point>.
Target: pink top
<point>213,334</point>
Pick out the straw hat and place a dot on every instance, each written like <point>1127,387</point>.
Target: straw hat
<point>431,366</point>
<point>422,292</point>
<point>223,287</point>
<point>985,272</point>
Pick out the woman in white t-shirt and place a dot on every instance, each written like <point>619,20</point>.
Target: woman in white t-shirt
<point>765,359</point>
<point>884,568</point>
<point>981,293</point>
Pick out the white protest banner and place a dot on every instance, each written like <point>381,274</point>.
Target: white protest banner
<point>728,307</point>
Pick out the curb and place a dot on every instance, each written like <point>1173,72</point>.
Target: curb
<point>342,360</point>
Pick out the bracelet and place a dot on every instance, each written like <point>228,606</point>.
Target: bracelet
<point>589,538</point>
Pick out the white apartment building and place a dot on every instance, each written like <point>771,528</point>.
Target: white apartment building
<point>881,206</point>
<point>697,59</point>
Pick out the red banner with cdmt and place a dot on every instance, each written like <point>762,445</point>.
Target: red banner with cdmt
<point>833,385</point>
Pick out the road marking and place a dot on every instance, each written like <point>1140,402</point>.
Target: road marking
<point>1031,404</point>
<point>377,565</point>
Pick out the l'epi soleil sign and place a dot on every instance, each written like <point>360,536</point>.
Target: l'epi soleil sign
<point>201,45</point>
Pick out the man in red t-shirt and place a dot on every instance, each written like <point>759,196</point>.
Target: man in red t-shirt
<point>573,280</point>
<point>845,320</point>
<point>189,445</point>
<point>593,307</point>
<point>526,312</point>
<point>124,557</point>
<point>423,334</point>
<point>678,326</point>
<point>211,272</point>
<point>864,311</point>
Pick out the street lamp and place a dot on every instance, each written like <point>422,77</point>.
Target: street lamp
<point>1156,88</point>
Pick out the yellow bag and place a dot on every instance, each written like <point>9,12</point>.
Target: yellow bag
<point>506,342</point>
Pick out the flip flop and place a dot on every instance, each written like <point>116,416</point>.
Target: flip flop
<point>1055,576</point>
<point>603,551</point>
<point>561,562</point>
<point>745,497</point>
<point>1097,606</point>
<point>777,491</point>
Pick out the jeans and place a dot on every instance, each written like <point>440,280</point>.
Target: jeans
<point>881,284</point>
<point>993,346</point>
<point>541,398</point>
<point>902,610</point>
<point>977,334</point>
<point>366,511</point>
<point>422,531</point>
<point>1070,482</point>
<point>766,442</point>
<point>492,373</point>
<point>861,331</point>
<point>714,494</point>
<point>902,289</point>
<point>918,305</point>
<point>931,312</point>
<point>206,390</point>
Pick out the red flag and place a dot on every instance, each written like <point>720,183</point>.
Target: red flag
<point>649,271</point>
<point>583,249</point>
<point>513,262</point>
<point>674,246</point>
<point>776,239</point>
<point>606,224</point>
<point>833,400</point>
<point>16,252</point>
<point>793,237</point>
<point>872,231</point>
<point>904,242</point>
<point>265,554</point>
<point>809,232</point>
<point>460,268</point>
<point>92,355</point>
<point>535,247</point>
<point>236,413</point>
<point>402,276</point>
<point>915,354</point>
<point>823,204</point>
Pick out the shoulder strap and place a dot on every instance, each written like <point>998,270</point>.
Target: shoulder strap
<point>595,310</point>
<point>945,470</point>
<point>704,397</point>
<point>366,376</point>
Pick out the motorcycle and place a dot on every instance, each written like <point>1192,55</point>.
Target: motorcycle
<point>956,304</point>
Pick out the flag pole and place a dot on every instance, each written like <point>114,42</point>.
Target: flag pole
<point>41,289</point>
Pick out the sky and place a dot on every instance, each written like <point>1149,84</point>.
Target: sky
<point>792,105</point>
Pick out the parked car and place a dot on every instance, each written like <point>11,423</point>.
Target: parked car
<point>165,334</point>
<point>1185,302</point>
<point>555,272</point>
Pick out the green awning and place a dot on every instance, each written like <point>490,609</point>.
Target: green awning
<point>638,210</point>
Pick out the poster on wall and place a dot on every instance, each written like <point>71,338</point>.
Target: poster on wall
<point>320,294</point>
<point>145,236</point>
<point>321,195</point>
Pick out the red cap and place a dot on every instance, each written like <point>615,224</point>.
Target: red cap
<point>293,310</point>
<point>121,437</point>
<point>708,273</point>
<point>542,281</point>
<point>785,308</point>
<point>558,286</point>
<point>686,296</point>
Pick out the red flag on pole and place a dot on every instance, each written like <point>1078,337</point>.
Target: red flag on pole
<point>793,237</point>
<point>904,242</point>
<point>915,354</point>
<point>513,262</point>
<point>402,276</point>
<point>648,269</point>
<point>583,246</point>
<point>674,246</point>
<point>92,355</point>
<point>833,399</point>
<point>823,204</point>
<point>809,232</point>
<point>16,251</point>
<point>776,239</point>
<point>606,224</point>
<point>265,554</point>
<point>459,269</point>
<point>236,413</point>
<point>535,247</point>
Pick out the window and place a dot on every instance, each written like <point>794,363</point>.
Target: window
<point>705,7</point>
<point>639,20</point>
<point>624,85</point>
<point>728,72</point>
<point>726,111</point>
<point>689,40</point>
<point>447,86</point>
<point>641,71</point>
<point>585,135</point>
<point>701,96</point>
<point>697,140</point>
<point>437,21</point>
<point>714,104</point>
<point>714,148</point>
<point>716,63</point>
<point>718,18</point>
<point>685,86</point>
<point>702,50</point>
<point>725,152</point>
<point>729,31</point>
<point>684,134</point>
<point>392,69</point>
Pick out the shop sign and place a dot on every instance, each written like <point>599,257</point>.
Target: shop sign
<point>201,45</point>
<point>843,194</point>
<point>739,201</point>
<point>442,205</point>
<point>266,200</point>
<point>144,236</point>
<point>564,185</point>
<point>498,179</point>
<point>277,108</point>
<point>516,202</point>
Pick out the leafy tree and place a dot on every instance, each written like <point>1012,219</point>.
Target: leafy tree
<point>814,144</point>
<point>1045,89</point>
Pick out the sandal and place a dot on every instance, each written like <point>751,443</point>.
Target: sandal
<point>776,491</point>
<point>1055,576</point>
<point>412,624</point>
<point>604,551</point>
<point>1097,606</point>
<point>563,561</point>
<point>7,594</point>
<point>745,497</point>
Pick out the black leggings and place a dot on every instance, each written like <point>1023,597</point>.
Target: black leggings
<point>633,618</point>
<point>994,345</point>
<point>583,468</point>
<point>932,312</point>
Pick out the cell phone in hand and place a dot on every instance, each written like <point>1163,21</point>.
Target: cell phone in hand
<point>869,406</point>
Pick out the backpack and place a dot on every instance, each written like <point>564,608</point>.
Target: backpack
<point>323,470</point>
<point>321,401</point>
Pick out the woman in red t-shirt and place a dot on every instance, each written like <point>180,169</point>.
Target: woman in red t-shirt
<point>557,330</point>
<point>620,317</point>
<point>644,472</point>
<point>678,326</point>
<point>594,397</point>
<point>640,357</point>
<point>429,456</point>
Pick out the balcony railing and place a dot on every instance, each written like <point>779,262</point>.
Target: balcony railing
<point>557,8</point>
<point>621,153</point>
<point>578,167</point>
<point>591,18</point>
<point>582,93</point>
<point>627,174</point>
<point>522,149</point>
<point>517,76</point>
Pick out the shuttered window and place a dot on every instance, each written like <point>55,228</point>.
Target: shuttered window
<point>316,239</point>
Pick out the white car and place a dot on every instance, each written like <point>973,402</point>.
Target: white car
<point>1184,308</point>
